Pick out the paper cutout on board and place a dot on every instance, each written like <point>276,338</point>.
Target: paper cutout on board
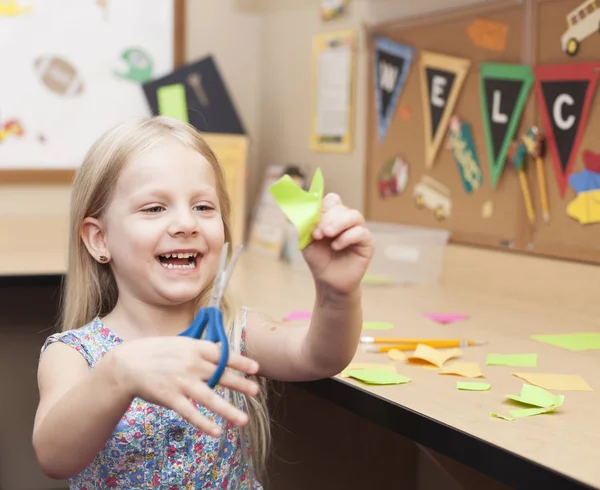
<point>442,79</point>
<point>446,318</point>
<point>12,8</point>
<point>172,101</point>
<point>579,341</point>
<point>425,353</point>
<point>518,360</point>
<point>504,90</point>
<point>293,316</point>
<point>303,208</point>
<point>487,209</point>
<point>11,128</point>
<point>585,181</point>
<point>465,369</point>
<point>405,113</point>
<point>431,194</point>
<point>392,178</point>
<point>392,65</point>
<point>582,22</point>
<point>585,208</point>
<point>564,93</point>
<point>332,9</point>
<point>560,382</point>
<point>472,386</point>
<point>377,326</point>
<point>465,155</point>
<point>377,376</point>
<point>591,160</point>
<point>58,75</point>
<point>396,355</point>
<point>488,34</point>
<point>136,65</point>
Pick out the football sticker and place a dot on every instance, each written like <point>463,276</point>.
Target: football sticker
<point>58,75</point>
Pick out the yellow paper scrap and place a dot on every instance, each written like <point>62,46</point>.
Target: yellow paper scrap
<point>500,416</point>
<point>472,386</point>
<point>466,369</point>
<point>561,382</point>
<point>366,365</point>
<point>519,360</point>
<point>396,355</point>
<point>585,208</point>
<point>433,356</point>
<point>302,208</point>
<point>377,376</point>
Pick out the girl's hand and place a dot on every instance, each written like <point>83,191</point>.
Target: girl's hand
<point>172,371</point>
<point>342,247</point>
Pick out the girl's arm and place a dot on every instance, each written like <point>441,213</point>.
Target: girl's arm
<point>338,258</point>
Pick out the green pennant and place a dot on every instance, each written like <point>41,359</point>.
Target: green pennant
<point>503,90</point>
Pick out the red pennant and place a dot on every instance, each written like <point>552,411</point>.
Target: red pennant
<point>564,93</point>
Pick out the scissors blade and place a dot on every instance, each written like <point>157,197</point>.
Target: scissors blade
<point>218,281</point>
<point>225,275</point>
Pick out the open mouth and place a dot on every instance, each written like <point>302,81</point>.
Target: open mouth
<point>178,260</point>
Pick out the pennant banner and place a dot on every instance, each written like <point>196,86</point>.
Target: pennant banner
<point>442,78</point>
<point>503,90</point>
<point>392,65</point>
<point>564,93</point>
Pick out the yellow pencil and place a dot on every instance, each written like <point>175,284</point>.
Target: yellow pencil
<point>439,344</point>
<point>526,196</point>
<point>394,340</point>
<point>535,142</point>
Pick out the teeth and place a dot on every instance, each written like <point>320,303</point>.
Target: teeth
<point>186,266</point>
<point>180,255</point>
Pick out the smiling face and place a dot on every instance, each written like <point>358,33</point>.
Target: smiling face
<point>163,228</point>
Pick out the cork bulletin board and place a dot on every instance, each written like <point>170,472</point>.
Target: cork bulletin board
<point>419,128</point>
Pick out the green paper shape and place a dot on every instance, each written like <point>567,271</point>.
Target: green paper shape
<point>302,208</point>
<point>377,326</point>
<point>571,341</point>
<point>502,71</point>
<point>500,416</point>
<point>377,376</point>
<point>172,101</point>
<point>139,65</point>
<point>472,386</point>
<point>538,397</point>
<point>519,360</point>
<point>530,412</point>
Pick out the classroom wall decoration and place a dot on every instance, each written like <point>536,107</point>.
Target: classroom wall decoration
<point>526,109</point>
<point>392,64</point>
<point>442,78</point>
<point>71,70</point>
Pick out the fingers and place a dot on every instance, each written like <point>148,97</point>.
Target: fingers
<point>239,383</point>
<point>336,220</point>
<point>184,407</point>
<point>212,353</point>
<point>355,236</point>
<point>330,201</point>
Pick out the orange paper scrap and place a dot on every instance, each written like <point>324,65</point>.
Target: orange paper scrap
<point>488,34</point>
<point>396,355</point>
<point>433,356</point>
<point>560,382</point>
<point>466,369</point>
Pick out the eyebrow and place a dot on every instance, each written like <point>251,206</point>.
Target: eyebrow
<point>204,191</point>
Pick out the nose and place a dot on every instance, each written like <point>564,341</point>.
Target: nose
<point>183,223</point>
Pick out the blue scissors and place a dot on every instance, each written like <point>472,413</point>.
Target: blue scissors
<point>210,318</point>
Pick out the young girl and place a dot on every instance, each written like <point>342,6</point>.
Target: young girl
<point>123,399</point>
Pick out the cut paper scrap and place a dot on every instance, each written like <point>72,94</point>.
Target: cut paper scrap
<point>564,94</point>
<point>519,360</point>
<point>303,208</point>
<point>424,353</point>
<point>172,101</point>
<point>377,376</point>
<point>377,280</point>
<point>136,65</point>
<point>377,326</point>
<point>487,209</point>
<point>442,80</point>
<point>396,355</point>
<point>446,318</point>
<point>488,34</point>
<point>353,366</point>
<point>584,181</point>
<point>541,401</point>
<point>571,341</point>
<point>585,208</point>
<point>297,315</point>
<point>12,8</point>
<point>500,416</point>
<point>465,369</point>
<point>472,386</point>
<point>560,382</point>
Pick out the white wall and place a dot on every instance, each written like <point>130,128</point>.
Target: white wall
<point>286,35</point>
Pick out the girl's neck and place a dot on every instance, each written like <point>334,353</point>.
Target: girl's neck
<point>134,319</point>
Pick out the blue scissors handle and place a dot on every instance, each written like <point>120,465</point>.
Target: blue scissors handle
<point>210,319</point>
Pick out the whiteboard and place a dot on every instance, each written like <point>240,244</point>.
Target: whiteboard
<point>61,112</point>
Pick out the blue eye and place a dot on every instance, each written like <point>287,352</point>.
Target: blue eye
<point>153,209</point>
<point>204,207</point>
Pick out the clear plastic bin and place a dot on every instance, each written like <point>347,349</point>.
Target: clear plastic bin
<point>403,254</point>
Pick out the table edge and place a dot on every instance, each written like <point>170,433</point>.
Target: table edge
<point>495,461</point>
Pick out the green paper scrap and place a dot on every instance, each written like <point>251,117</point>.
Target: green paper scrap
<point>519,360</point>
<point>302,208</point>
<point>538,397</point>
<point>377,326</point>
<point>500,416</point>
<point>530,412</point>
<point>472,386</point>
<point>377,376</point>
<point>172,101</point>
<point>571,341</point>
<point>376,280</point>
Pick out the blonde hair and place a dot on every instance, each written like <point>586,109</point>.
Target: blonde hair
<point>91,289</point>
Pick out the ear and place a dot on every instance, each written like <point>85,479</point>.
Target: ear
<point>92,234</point>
